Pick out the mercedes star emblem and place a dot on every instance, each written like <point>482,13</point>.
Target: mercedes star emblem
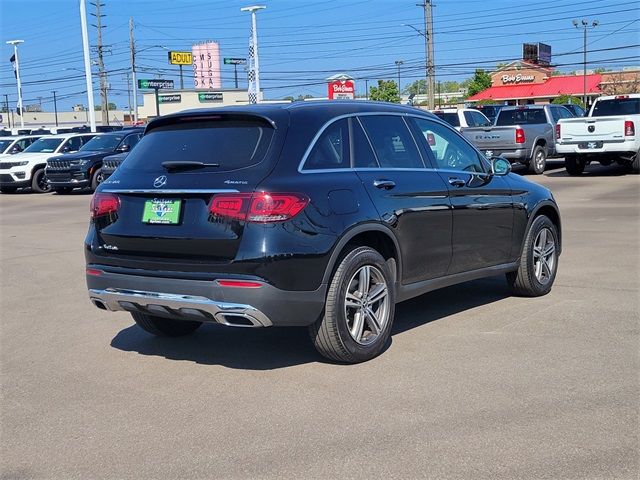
<point>160,181</point>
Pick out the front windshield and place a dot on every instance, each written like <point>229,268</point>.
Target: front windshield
<point>44,145</point>
<point>4,144</point>
<point>102,143</point>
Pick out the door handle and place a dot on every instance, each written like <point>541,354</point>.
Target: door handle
<point>384,184</point>
<point>456,182</point>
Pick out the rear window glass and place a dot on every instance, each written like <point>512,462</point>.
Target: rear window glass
<point>230,143</point>
<point>451,118</point>
<point>616,106</point>
<point>525,116</point>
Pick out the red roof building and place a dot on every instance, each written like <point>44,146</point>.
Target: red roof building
<point>551,87</point>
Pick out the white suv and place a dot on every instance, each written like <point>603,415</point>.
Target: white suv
<point>26,169</point>
<point>460,118</point>
<point>12,145</point>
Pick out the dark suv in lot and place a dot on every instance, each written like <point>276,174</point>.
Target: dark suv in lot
<point>84,168</point>
<point>324,214</point>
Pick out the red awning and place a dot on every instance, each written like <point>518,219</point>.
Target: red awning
<point>553,87</point>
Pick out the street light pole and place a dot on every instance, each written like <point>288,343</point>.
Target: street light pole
<point>55,106</point>
<point>254,40</point>
<point>398,63</point>
<point>584,24</point>
<point>15,44</point>
<point>87,64</point>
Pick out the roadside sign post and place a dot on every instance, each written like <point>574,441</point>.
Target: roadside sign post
<point>155,85</point>
<point>180,59</point>
<point>235,62</point>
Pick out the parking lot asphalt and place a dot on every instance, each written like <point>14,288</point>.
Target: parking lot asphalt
<point>476,383</point>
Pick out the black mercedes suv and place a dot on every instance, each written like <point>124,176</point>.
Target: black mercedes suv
<point>84,167</point>
<point>324,214</point>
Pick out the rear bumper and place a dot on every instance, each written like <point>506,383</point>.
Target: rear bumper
<point>608,147</point>
<point>204,300</point>
<point>521,155</point>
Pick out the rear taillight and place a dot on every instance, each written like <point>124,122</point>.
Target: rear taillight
<point>104,204</point>
<point>431,139</point>
<point>94,272</point>
<point>557,131</point>
<point>259,207</point>
<point>629,128</point>
<point>520,135</point>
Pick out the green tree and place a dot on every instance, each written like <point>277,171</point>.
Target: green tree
<point>386,91</point>
<point>449,86</point>
<point>562,99</point>
<point>415,88</point>
<point>110,106</point>
<point>480,82</point>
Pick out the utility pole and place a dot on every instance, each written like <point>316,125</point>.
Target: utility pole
<point>428,47</point>
<point>585,25</point>
<point>254,64</point>
<point>55,106</point>
<point>398,63</point>
<point>16,65</point>
<point>87,65</point>
<point>129,96</point>
<point>366,87</point>
<point>104,102</point>
<point>134,82</point>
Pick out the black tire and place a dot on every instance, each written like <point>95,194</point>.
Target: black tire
<point>635,165</point>
<point>39,182</point>
<point>8,189</point>
<point>96,179</point>
<point>574,165</point>
<point>165,327</point>
<point>538,161</point>
<point>63,190</point>
<point>524,281</point>
<point>331,335</point>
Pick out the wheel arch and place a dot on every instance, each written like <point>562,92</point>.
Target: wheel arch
<point>38,167</point>
<point>374,235</point>
<point>550,210</point>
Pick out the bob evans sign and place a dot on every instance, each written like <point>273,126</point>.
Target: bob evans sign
<point>519,78</point>
<point>342,89</point>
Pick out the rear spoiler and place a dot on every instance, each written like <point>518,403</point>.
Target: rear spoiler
<point>196,116</point>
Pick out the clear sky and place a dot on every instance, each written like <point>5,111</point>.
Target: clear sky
<point>304,41</point>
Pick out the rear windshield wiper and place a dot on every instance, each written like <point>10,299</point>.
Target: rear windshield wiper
<point>186,165</point>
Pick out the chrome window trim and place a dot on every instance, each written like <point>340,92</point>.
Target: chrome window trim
<point>173,191</point>
<point>349,115</point>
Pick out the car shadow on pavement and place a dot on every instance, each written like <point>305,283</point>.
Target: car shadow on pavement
<point>272,348</point>
<point>597,170</point>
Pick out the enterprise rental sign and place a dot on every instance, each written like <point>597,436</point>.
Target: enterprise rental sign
<point>155,84</point>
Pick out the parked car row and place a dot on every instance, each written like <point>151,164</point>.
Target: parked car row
<point>531,134</point>
<point>60,162</point>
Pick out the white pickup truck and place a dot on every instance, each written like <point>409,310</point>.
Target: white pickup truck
<point>609,134</point>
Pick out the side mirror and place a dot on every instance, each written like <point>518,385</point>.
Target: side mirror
<point>15,149</point>
<point>500,166</point>
<point>65,149</point>
<point>123,148</point>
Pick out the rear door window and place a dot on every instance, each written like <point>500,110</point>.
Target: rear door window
<point>392,141</point>
<point>229,142</point>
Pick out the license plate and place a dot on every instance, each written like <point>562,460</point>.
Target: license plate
<point>163,211</point>
<point>590,145</point>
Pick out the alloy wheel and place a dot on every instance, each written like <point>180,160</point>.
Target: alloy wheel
<point>544,256</point>
<point>367,305</point>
